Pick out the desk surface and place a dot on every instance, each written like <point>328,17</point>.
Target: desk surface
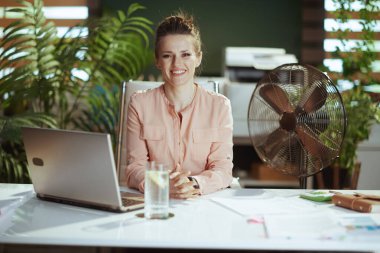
<point>197,224</point>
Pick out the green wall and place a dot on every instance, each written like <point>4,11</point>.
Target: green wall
<point>253,23</point>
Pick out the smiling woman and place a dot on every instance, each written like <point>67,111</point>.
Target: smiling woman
<point>180,123</point>
<point>177,61</point>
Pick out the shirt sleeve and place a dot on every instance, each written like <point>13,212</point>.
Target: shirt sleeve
<point>137,153</point>
<point>218,172</point>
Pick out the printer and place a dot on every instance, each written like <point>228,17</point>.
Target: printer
<point>243,68</point>
<point>249,64</point>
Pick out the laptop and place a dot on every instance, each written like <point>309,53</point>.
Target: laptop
<point>77,168</point>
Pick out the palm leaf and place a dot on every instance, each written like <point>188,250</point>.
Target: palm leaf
<point>115,36</point>
<point>13,169</point>
<point>34,34</point>
<point>13,166</point>
<point>102,112</point>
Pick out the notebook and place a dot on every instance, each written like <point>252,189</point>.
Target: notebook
<point>358,202</point>
<point>77,168</point>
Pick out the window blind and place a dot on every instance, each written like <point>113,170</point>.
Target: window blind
<point>64,13</point>
<point>331,41</point>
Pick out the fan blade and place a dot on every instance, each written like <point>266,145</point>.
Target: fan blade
<point>316,99</point>
<point>275,141</point>
<point>276,98</point>
<point>312,143</point>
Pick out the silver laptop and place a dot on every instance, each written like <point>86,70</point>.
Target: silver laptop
<point>78,168</point>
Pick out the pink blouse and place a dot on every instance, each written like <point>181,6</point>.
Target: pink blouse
<point>201,143</point>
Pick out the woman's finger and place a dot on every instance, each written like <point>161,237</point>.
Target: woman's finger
<point>176,176</point>
<point>185,191</point>
<point>186,187</point>
<point>190,194</point>
<point>181,181</point>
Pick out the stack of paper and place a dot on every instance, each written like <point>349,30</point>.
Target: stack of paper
<point>248,206</point>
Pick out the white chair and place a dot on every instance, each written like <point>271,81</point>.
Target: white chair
<point>127,89</point>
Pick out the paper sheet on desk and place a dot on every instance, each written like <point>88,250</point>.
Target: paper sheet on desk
<point>323,225</point>
<point>313,225</point>
<point>7,205</point>
<point>361,227</point>
<point>248,206</point>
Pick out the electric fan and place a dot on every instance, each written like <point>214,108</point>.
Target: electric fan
<point>296,120</point>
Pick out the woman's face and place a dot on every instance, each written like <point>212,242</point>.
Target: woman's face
<point>177,59</point>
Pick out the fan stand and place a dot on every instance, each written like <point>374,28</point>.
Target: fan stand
<point>303,182</point>
<point>302,179</point>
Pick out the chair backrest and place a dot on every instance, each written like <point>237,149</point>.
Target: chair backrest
<point>127,89</point>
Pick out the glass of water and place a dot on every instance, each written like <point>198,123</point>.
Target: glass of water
<point>156,195</point>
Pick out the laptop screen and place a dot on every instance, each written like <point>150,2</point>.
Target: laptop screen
<point>72,165</point>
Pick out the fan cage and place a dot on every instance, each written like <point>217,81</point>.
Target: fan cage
<point>288,154</point>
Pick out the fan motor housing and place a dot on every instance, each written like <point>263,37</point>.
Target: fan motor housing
<point>288,121</point>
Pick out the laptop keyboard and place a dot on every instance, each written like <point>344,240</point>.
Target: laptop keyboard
<point>130,202</point>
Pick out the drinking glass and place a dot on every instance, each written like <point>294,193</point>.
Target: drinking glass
<point>156,195</point>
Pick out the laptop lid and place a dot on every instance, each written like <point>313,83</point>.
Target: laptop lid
<point>73,167</point>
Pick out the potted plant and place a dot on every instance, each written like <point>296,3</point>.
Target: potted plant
<point>47,81</point>
<point>357,58</point>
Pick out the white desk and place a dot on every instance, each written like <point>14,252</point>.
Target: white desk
<point>198,224</point>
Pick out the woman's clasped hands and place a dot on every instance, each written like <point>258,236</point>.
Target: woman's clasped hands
<point>181,187</point>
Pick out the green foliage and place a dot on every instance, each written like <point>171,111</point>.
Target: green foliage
<point>102,114</point>
<point>13,166</point>
<point>362,113</point>
<point>39,80</point>
<point>26,87</point>
<point>115,50</point>
<point>28,46</point>
<point>357,60</point>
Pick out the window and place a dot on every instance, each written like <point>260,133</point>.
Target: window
<point>64,13</point>
<point>354,23</point>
